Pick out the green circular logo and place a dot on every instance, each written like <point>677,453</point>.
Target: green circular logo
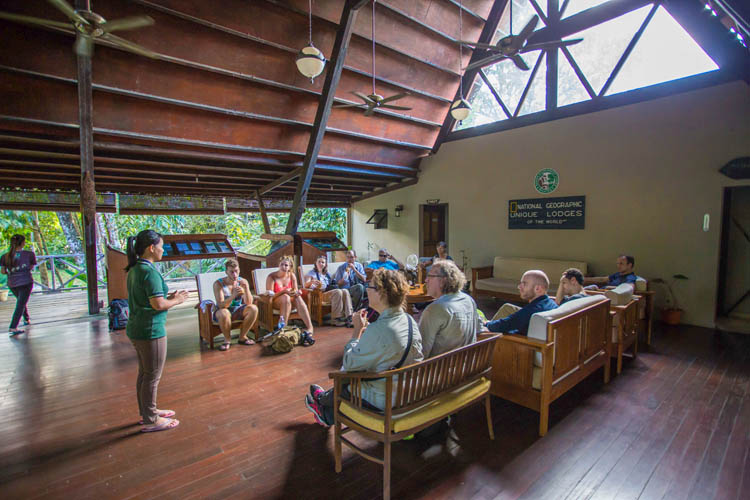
<point>546,181</point>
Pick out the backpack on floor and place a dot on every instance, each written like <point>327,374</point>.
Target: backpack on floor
<point>282,340</point>
<point>118,314</point>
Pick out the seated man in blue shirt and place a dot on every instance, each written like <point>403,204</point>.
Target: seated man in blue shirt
<point>352,277</point>
<point>624,274</point>
<point>386,260</point>
<point>533,289</point>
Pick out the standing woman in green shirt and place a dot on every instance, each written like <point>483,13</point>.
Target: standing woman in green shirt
<point>148,300</point>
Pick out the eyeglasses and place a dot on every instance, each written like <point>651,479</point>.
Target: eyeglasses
<point>382,255</point>
<point>435,276</point>
<point>370,287</point>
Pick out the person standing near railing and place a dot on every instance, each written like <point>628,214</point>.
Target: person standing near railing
<point>18,263</point>
<point>148,300</point>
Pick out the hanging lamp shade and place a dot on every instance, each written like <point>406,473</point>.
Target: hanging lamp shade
<point>460,109</point>
<point>310,61</point>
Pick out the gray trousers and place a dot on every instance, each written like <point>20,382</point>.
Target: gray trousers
<point>357,293</point>
<point>151,357</point>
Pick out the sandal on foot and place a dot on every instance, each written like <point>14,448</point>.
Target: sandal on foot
<point>164,425</point>
<point>307,339</point>
<point>246,342</point>
<point>162,414</point>
<point>224,346</point>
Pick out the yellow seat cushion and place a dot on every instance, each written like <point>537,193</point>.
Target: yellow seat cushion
<point>444,405</point>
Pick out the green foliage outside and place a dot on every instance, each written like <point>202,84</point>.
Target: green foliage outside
<point>243,229</point>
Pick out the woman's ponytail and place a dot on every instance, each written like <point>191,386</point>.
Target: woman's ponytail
<point>16,242</point>
<point>138,244</point>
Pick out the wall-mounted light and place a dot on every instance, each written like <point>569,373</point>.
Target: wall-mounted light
<point>398,210</point>
<point>434,201</point>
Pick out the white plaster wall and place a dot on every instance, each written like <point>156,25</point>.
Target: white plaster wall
<point>649,172</point>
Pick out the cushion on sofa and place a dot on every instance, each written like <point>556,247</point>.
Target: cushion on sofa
<point>443,405</point>
<point>514,267</point>
<point>502,285</point>
<point>620,295</point>
<point>539,321</point>
<point>641,285</point>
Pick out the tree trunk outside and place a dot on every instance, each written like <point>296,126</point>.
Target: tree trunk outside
<point>72,237</point>
<point>112,237</point>
<point>41,249</point>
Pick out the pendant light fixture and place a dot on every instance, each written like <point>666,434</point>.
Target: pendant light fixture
<point>310,61</point>
<point>460,108</point>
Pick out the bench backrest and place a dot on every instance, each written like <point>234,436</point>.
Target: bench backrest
<point>514,267</point>
<point>332,268</point>
<point>205,282</point>
<point>579,330</point>
<point>418,384</point>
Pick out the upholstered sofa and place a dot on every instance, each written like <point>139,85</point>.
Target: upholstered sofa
<point>501,279</point>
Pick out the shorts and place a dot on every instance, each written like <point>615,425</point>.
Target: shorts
<point>236,313</point>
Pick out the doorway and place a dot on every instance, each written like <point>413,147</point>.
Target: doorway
<point>733,301</point>
<point>433,228</point>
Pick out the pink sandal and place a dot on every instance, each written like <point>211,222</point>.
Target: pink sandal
<point>167,423</point>
<point>161,413</point>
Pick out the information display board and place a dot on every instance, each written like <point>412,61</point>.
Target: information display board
<point>568,212</point>
<point>196,246</point>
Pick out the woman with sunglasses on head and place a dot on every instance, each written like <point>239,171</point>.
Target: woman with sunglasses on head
<point>391,342</point>
<point>148,300</point>
<point>18,263</point>
<point>341,303</point>
<point>282,284</point>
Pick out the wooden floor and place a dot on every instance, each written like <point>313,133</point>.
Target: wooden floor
<point>674,424</point>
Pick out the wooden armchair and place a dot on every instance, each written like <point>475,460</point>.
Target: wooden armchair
<point>316,303</point>
<point>207,327</point>
<point>564,346</point>
<point>268,315</point>
<point>416,397</point>
<point>625,330</point>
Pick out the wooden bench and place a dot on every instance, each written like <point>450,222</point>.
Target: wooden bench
<point>416,396</point>
<point>564,346</point>
<point>316,303</point>
<point>645,305</point>
<point>500,280</point>
<point>625,308</point>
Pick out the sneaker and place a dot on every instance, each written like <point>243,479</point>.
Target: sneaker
<point>26,322</point>
<point>14,331</point>
<point>316,391</point>
<point>313,407</point>
<point>339,322</point>
<point>349,323</point>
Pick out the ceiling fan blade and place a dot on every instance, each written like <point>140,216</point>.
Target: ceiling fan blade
<point>518,61</point>
<point>363,97</point>
<point>129,46</point>
<point>550,45</point>
<point>394,98</point>
<point>127,23</point>
<point>393,106</point>
<point>17,18</point>
<point>478,45</point>
<point>485,62</point>
<point>84,46</point>
<point>525,33</point>
<point>348,105</point>
<point>69,11</point>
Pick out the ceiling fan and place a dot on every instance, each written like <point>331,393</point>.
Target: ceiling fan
<point>375,100</point>
<point>512,46</point>
<point>89,26</point>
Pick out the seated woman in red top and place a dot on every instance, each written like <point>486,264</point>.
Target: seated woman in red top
<point>282,284</point>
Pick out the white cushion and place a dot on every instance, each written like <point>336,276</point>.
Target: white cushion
<point>536,378</point>
<point>620,295</point>
<point>498,285</point>
<point>641,285</point>
<point>539,321</point>
<point>205,282</point>
<point>260,276</point>
<point>514,267</point>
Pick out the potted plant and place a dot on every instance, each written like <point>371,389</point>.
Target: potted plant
<point>672,313</point>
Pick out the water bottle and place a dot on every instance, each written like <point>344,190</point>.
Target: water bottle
<point>281,323</point>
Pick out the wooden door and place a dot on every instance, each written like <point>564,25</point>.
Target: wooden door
<point>433,228</point>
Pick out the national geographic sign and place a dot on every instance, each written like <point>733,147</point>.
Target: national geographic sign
<point>547,213</point>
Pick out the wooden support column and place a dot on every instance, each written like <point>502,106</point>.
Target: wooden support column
<point>336,63</point>
<point>263,215</point>
<point>88,189</point>
<point>297,245</point>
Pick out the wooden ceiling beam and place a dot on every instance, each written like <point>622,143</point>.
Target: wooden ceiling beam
<point>384,190</point>
<point>338,55</point>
